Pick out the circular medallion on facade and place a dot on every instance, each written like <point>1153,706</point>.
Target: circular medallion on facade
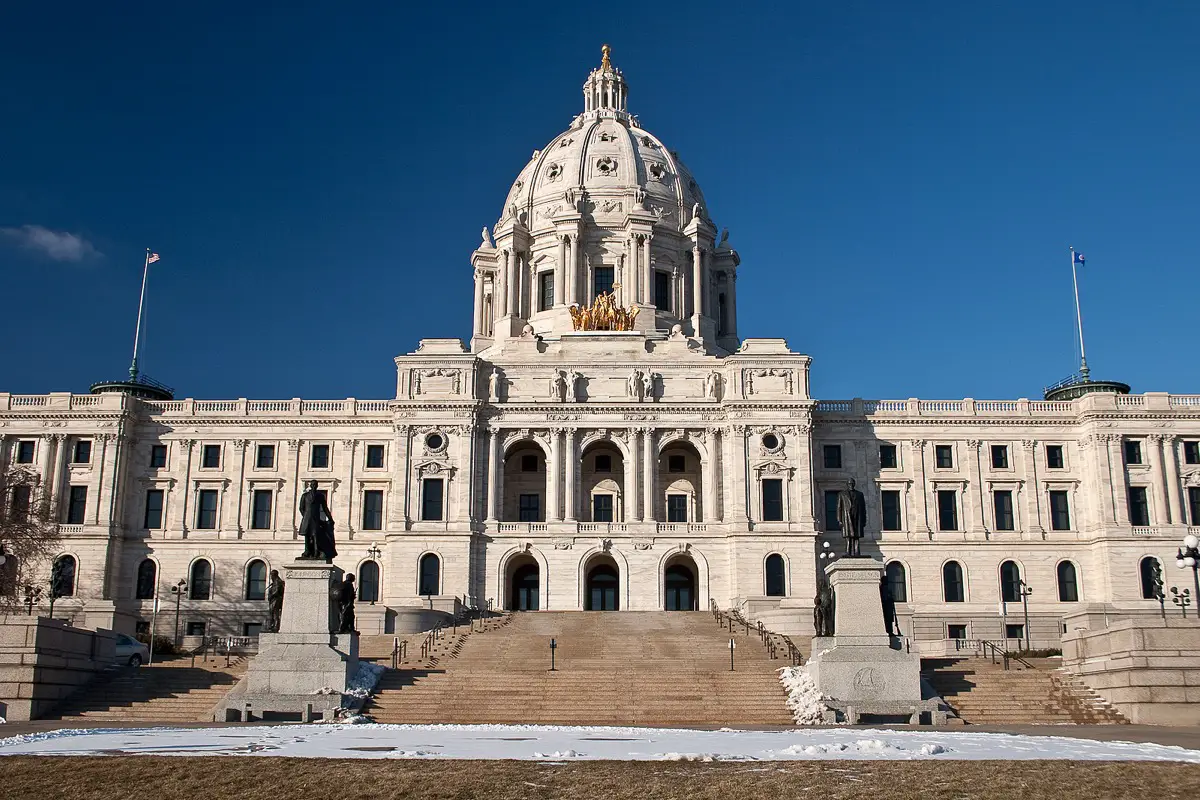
<point>435,442</point>
<point>772,442</point>
<point>606,165</point>
<point>868,682</point>
<point>554,172</point>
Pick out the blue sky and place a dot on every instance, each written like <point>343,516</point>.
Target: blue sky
<point>902,181</point>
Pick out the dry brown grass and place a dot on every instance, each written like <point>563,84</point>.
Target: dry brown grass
<point>261,778</point>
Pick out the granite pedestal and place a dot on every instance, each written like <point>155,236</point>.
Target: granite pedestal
<point>304,668</point>
<point>861,668</point>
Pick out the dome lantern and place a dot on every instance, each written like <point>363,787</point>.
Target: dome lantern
<point>605,89</point>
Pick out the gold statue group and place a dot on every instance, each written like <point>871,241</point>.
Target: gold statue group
<point>603,315</point>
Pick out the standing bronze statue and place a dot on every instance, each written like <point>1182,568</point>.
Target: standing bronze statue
<point>852,514</point>
<point>823,609</point>
<point>889,607</point>
<point>316,526</point>
<point>346,595</point>
<point>274,602</point>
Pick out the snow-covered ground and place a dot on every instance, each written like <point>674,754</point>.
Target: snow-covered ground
<point>553,743</point>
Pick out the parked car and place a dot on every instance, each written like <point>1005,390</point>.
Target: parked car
<point>130,651</point>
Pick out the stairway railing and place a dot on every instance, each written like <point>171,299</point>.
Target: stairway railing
<point>777,644</point>
<point>993,650</point>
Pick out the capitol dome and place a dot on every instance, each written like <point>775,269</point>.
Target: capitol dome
<point>605,210</point>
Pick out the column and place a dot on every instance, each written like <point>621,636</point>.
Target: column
<point>1174,494</point>
<point>505,289</point>
<point>560,271</point>
<point>697,288</point>
<point>709,478</point>
<point>60,469</point>
<point>494,478</point>
<point>1116,464</point>
<point>975,476</point>
<point>572,465</point>
<point>516,285</point>
<point>239,448</point>
<point>1158,491</point>
<point>649,473</point>
<point>573,271</point>
<point>737,478</point>
<point>631,479</point>
<point>918,457</point>
<point>186,490</point>
<point>1033,500</point>
<point>635,283</point>
<point>731,303</point>
<point>478,327</point>
<point>647,271</point>
<point>553,481</point>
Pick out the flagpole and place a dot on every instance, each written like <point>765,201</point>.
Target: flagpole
<point>137,334</point>
<point>1083,367</point>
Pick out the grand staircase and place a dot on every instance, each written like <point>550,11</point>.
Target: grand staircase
<point>179,689</point>
<point>612,668</point>
<point>981,693</point>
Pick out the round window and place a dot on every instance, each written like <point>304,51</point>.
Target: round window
<point>770,441</point>
<point>434,441</point>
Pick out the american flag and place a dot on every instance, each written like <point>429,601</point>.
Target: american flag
<point>153,258</point>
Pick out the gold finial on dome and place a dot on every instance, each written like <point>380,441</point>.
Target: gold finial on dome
<point>604,62</point>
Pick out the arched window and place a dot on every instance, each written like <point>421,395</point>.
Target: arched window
<point>256,580</point>
<point>62,577</point>
<point>1068,585</point>
<point>1150,569</point>
<point>147,580</point>
<point>8,575</point>
<point>952,582</point>
<point>368,582</point>
<point>430,569</point>
<point>1010,582</point>
<point>776,585</point>
<point>896,582</point>
<point>200,585</point>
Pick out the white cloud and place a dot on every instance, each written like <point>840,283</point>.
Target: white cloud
<point>55,245</point>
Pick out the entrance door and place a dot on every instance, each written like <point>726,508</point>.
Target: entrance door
<point>524,595</point>
<point>681,588</point>
<point>602,586</point>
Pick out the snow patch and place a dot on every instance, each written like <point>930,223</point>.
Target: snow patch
<point>805,702</point>
<point>559,754</point>
<point>363,684</point>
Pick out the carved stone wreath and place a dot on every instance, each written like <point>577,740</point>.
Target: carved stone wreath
<point>606,165</point>
<point>771,442</point>
<point>436,442</point>
<point>553,172</point>
<point>657,172</point>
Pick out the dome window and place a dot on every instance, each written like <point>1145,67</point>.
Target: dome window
<point>607,166</point>
<point>657,173</point>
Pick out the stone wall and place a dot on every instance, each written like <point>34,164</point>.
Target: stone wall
<point>42,661</point>
<point>1145,666</point>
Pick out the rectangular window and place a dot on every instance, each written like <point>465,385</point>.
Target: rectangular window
<point>83,452</point>
<point>832,456</point>
<point>374,456</point>
<point>662,290</point>
<point>372,514</point>
<point>154,509</point>
<point>676,464</point>
<point>265,457</point>
<point>1191,452</point>
<point>260,513</point>
<point>890,502</point>
<point>76,505</point>
<point>677,508</point>
<point>602,281</point>
<point>602,508</point>
<point>545,291</point>
<point>158,456</point>
<point>21,500</point>
<point>529,463</point>
<point>887,456</point>
<point>943,456</point>
<point>1133,451</point>
<point>251,629</point>
<point>772,500</point>
<point>1060,512</point>
<point>195,628</point>
<point>1139,506</point>
<point>956,631</point>
<point>1002,504</point>
<point>530,508</point>
<point>832,523</point>
<point>1014,631</point>
<point>206,510</point>
<point>318,456</point>
<point>1193,503</point>
<point>603,463</point>
<point>999,456</point>
<point>431,499</point>
<point>947,500</point>
<point>210,456</point>
<point>1054,456</point>
<point>25,452</point>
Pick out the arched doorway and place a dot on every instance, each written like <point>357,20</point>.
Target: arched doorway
<point>523,585</point>
<point>679,580</point>
<point>603,585</point>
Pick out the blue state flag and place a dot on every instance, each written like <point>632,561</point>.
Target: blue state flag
<point>1077,258</point>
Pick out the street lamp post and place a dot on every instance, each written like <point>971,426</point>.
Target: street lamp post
<point>1157,581</point>
<point>1182,599</point>
<point>33,596</point>
<point>177,589</point>
<point>1025,590</point>
<point>374,552</point>
<point>1189,556</point>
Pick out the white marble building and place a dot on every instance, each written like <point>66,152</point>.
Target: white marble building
<point>662,467</point>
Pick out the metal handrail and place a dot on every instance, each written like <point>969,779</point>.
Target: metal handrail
<point>775,643</point>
